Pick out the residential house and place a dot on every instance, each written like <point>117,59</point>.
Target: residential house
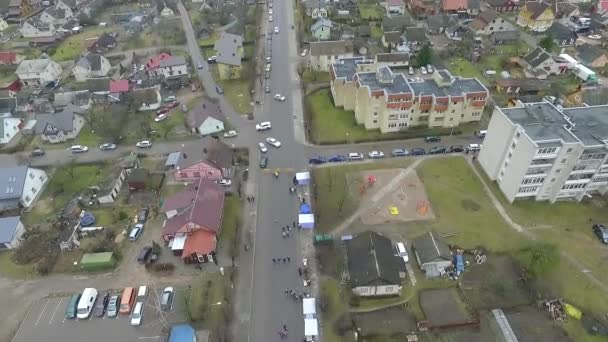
<point>176,203</point>
<point>489,22</point>
<point>80,98</point>
<point>206,118</point>
<point>415,37</point>
<point>363,31</point>
<point>153,63</point>
<point>538,63</point>
<point>387,100</point>
<point>10,58</point>
<point>374,269</point>
<point>99,87</point>
<point>504,5</point>
<point>34,28</point>
<point>566,12</point>
<point>213,163</point>
<point>395,59</point>
<point>166,11</point>
<point>562,34</point>
<point>146,98</point>
<point>391,39</point>
<point>395,7</point>
<point>347,6</point>
<point>474,7</point>
<point>3,25</point>
<point>543,152</point>
<point>9,128</point>
<point>8,104</point>
<point>396,23</point>
<point>70,5</point>
<point>432,254</point>
<point>456,32</point>
<point>192,232</point>
<point>60,126</point>
<point>345,32</point>
<point>324,54</point>
<point>437,23</point>
<point>459,7</point>
<point>21,9</point>
<point>229,51</point>
<point>522,86</point>
<point>321,29</point>
<point>38,72</point>
<point>316,8</point>
<point>118,89</point>
<point>505,37</point>
<point>113,180</point>
<point>91,66</point>
<point>104,43</point>
<point>537,16</point>
<point>173,67</point>
<point>11,232</point>
<point>421,9</point>
<point>592,56</point>
<point>55,16</point>
<point>21,186</point>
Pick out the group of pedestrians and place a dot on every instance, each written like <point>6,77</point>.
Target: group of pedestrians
<point>279,260</point>
<point>251,199</point>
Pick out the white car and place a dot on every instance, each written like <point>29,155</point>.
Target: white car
<point>230,134</point>
<point>268,59</point>
<point>376,154</point>
<point>224,182</point>
<point>276,29</point>
<point>423,70</point>
<point>473,147</point>
<point>274,142</point>
<point>303,54</point>
<point>144,144</point>
<point>429,68</point>
<point>270,18</point>
<point>137,314</point>
<point>411,71</point>
<point>262,147</point>
<point>270,11</point>
<point>262,126</point>
<point>107,147</point>
<point>79,149</point>
<point>279,97</point>
<point>160,117</point>
<point>595,36</point>
<point>268,67</point>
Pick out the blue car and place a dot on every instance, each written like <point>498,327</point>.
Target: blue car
<point>336,159</point>
<point>317,160</point>
<point>417,152</point>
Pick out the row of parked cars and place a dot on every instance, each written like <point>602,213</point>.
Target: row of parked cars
<point>128,303</point>
<point>398,152</point>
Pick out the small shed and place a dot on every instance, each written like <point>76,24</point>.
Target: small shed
<point>306,221</point>
<point>303,178</point>
<point>137,179</point>
<point>309,308</point>
<point>97,261</point>
<point>172,160</point>
<point>432,254</point>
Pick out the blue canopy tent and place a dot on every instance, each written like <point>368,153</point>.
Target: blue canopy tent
<point>459,263</point>
<point>305,208</point>
<point>87,219</point>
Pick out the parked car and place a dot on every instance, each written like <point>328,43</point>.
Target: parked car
<point>107,147</point>
<point>78,149</point>
<point>101,305</point>
<point>432,139</point>
<point>160,118</point>
<point>166,299</point>
<point>171,105</point>
<point>212,60</point>
<point>262,126</point>
<point>417,151</point>
<point>355,156</point>
<point>230,134</point>
<point>376,154</point>
<point>267,89</point>
<point>113,303</point>
<point>263,162</point>
<point>270,18</point>
<point>262,147</point>
<point>456,149</point>
<point>437,150</point>
<point>70,309</point>
<point>144,144</point>
<point>399,152</point>
<point>473,147</point>
<point>142,215</point>
<point>200,66</point>
<point>429,68</point>
<point>137,314</point>
<point>411,71</point>
<point>336,158</point>
<point>224,182</point>
<point>37,152</point>
<point>144,255</point>
<point>276,30</point>
<point>279,97</point>
<point>170,99</point>
<point>219,89</point>
<point>423,70</point>
<point>601,232</point>
<point>274,142</point>
<point>481,134</point>
<point>137,230</point>
<point>595,36</point>
<point>317,160</point>
<point>162,111</point>
<point>303,54</point>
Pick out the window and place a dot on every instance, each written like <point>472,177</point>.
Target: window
<point>453,111</point>
<point>510,155</point>
<point>34,190</point>
<point>41,178</point>
<point>563,161</point>
<point>403,116</point>
<point>183,174</point>
<point>402,124</point>
<point>437,119</point>
<point>517,135</point>
<point>580,176</point>
<point>197,174</point>
<point>412,111</point>
<point>451,119</point>
<point>547,150</point>
<point>375,114</point>
<point>579,167</point>
<point>573,186</point>
<point>392,125</point>
<point>557,171</point>
<point>528,189</point>
<point>31,175</point>
<point>27,198</point>
<point>393,117</point>
<point>476,113</point>
<point>600,179</point>
<point>569,150</point>
<point>552,180</point>
<point>375,121</point>
<point>389,289</point>
<point>506,163</point>
<point>462,115</point>
<point>513,146</point>
<point>536,180</point>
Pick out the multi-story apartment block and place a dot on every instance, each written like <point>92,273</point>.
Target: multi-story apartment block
<point>386,100</point>
<point>539,151</point>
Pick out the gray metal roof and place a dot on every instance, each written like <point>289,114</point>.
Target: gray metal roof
<point>8,226</point>
<point>372,260</point>
<point>385,79</point>
<point>321,23</point>
<point>541,121</point>
<point>63,120</point>
<point>228,49</point>
<point>430,248</point>
<point>173,158</point>
<point>33,65</point>
<point>12,180</point>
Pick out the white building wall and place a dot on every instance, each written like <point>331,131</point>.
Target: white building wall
<point>35,180</point>
<point>500,132</point>
<point>17,237</point>
<point>11,128</point>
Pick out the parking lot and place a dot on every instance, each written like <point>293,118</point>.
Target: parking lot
<point>45,321</point>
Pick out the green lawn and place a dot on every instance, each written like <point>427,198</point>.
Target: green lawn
<point>238,94</point>
<point>332,125</point>
<point>459,66</point>
<point>310,76</point>
<point>207,301</point>
<point>370,11</point>
<point>209,40</point>
<point>11,270</point>
<point>73,46</point>
<point>230,220</point>
<point>334,302</point>
<point>376,32</point>
<point>86,137</point>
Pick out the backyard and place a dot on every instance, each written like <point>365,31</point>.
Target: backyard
<point>74,45</point>
<point>370,10</point>
<point>238,94</point>
<point>332,125</point>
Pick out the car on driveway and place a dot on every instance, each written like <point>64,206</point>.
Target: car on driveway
<point>224,182</point>
<point>219,89</point>
<point>303,54</point>
<point>338,158</point>
<point>376,154</point>
<point>263,162</point>
<point>160,118</point>
<point>274,142</point>
<point>262,147</point>
<point>262,126</point>
<point>601,232</point>
<point>37,152</point>
<point>212,59</point>
<point>432,139</point>
<point>166,298</point>
<point>107,147</point>
<point>144,144</point>
<point>456,149</point>
<point>279,97</point>
<point>417,151</point>
<point>137,230</point>
<point>101,305</point>
<point>70,309</point>
<point>113,303</point>
<point>317,160</point>
<point>142,215</point>
<point>230,134</point>
<point>437,150</point>
<point>144,255</point>
<point>399,152</point>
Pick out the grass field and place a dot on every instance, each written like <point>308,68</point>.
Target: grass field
<point>11,270</point>
<point>73,46</point>
<point>238,94</point>
<point>230,220</point>
<point>370,11</point>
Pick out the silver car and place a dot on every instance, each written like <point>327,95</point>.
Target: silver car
<point>113,304</point>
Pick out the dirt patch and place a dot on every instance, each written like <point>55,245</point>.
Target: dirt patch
<point>486,331</point>
<point>443,307</point>
<point>405,200</point>
<point>531,324</point>
<point>484,290</point>
<point>385,322</point>
<point>330,260</point>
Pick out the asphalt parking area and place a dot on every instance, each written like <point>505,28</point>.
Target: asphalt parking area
<point>45,321</point>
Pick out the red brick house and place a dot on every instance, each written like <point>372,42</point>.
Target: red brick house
<point>213,162</point>
<point>192,232</point>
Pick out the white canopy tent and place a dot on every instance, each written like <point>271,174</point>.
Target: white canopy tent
<point>178,242</point>
<point>303,178</point>
<point>309,307</point>
<point>311,328</point>
<point>307,221</point>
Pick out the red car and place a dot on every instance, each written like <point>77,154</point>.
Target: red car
<point>172,105</point>
<point>162,111</point>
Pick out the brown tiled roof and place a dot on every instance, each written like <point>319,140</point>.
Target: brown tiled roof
<point>180,200</point>
<point>207,108</point>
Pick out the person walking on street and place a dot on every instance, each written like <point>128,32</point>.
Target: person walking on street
<point>288,259</point>
<point>294,224</point>
<point>274,260</point>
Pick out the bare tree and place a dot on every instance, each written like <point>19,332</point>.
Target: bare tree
<point>343,195</point>
<point>156,303</point>
<point>301,69</point>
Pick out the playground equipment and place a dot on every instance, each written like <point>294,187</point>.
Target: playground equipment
<point>370,182</point>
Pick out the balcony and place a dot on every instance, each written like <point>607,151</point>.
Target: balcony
<point>537,172</point>
<point>546,156</point>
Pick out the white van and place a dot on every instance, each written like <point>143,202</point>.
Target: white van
<point>402,252</point>
<point>79,149</point>
<point>142,292</point>
<point>86,303</point>
<point>481,134</point>
<point>137,313</point>
<point>473,147</point>
<point>355,156</point>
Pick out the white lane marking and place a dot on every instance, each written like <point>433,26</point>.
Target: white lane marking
<point>149,337</point>
<point>42,312</point>
<point>24,319</point>
<point>55,311</point>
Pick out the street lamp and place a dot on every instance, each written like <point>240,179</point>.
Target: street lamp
<point>451,129</point>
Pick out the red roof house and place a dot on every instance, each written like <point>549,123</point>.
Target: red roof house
<point>179,201</point>
<point>454,5</point>
<point>119,86</point>
<point>9,58</point>
<point>214,162</point>
<point>154,62</point>
<point>199,245</point>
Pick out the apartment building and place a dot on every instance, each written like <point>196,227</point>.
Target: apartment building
<point>387,100</point>
<point>539,151</point>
